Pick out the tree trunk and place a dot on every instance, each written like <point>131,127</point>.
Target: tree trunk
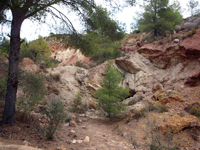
<point>12,83</point>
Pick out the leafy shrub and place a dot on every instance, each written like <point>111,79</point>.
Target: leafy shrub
<point>56,77</point>
<point>55,115</point>
<point>77,105</point>
<point>33,89</point>
<point>138,113</point>
<point>80,64</point>
<point>51,62</point>
<point>136,31</point>
<point>158,107</point>
<point>150,39</point>
<point>191,33</point>
<point>194,109</point>
<point>132,102</point>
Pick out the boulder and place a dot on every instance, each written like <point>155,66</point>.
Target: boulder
<point>176,123</point>
<point>170,96</point>
<point>28,65</point>
<point>72,124</point>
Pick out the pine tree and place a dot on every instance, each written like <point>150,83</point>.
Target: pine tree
<point>159,16</point>
<point>111,95</point>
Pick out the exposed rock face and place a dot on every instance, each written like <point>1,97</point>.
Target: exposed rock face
<point>172,65</point>
<point>72,80</point>
<point>28,65</point>
<point>67,56</point>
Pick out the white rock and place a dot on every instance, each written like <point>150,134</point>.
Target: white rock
<point>79,141</point>
<point>73,141</point>
<point>87,139</point>
<point>176,40</point>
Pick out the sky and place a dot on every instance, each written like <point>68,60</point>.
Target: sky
<point>31,30</point>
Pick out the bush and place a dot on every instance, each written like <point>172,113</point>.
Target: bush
<point>81,65</point>
<point>132,102</point>
<point>56,77</point>
<point>51,62</point>
<point>158,107</point>
<point>155,139</point>
<point>33,89</point>
<point>138,113</point>
<point>55,115</point>
<point>77,105</point>
<point>194,109</point>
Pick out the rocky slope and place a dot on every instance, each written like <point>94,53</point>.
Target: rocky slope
<point>166,70</point>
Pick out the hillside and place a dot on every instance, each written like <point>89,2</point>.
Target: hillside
<point>163,78</point>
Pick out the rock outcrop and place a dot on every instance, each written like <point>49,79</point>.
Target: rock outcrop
<point>72,80</point>
<point>67,56</point>
<point>28,65</point>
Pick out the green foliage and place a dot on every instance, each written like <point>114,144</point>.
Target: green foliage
<point>194,109</point>
<point>36,50</point>
<point>34,91</point>
<point>5,46</point>
<point>78,105</point>
<point>155,138</point>
<point>134,142</point>
<point>3,86</point>
<point>55,115</point>
<point>81,65</point>
<point>111,95</point>
<point>159,16</point>
<point>132,102</point>
<point>191,33</point>
<point>138,113</point>
<point>99,42</point>
<point>158,107</point>
<point>56,77</point>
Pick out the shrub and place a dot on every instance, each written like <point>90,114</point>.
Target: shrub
<point>81,65</point>
<point>51,62</point>
<point>33,89</point>
<point>55,115</point>
<point>194,109</point>
<point>155,139</point>
<point>56,77</point>
<point>150,39</point>
<point>138,113</point>
<point>132,102</point>
<point>158,107</point>
<point>77,105</point>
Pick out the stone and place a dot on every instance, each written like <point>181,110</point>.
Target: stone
<point>72,132</point>
<point>61,148</point>
<point>73,141</point>
<point>177,123</point>
<point>72,124</point>
<point>170,96</point>
<point>79,141</point>
<point>87,139</point>
<point>176,40</point>
<point>84,119</point>
<point>26,143</point>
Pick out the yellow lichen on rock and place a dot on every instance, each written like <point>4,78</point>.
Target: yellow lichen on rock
<point>177,123</point>
<point>169,96</point>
